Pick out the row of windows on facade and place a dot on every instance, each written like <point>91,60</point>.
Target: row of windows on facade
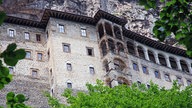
<point>34,72</point>
<point>67,49</point>
<point>69,68</point>
<point>12,33</point>
<point>160,59</point>
<point>62,30</point>
<point>29,55</point>
<point>157,74</point>
<point>143,53</point>
<point>118,47</point>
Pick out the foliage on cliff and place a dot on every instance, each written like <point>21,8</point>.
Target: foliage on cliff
<point>175,18</point>
<point>100,96</point>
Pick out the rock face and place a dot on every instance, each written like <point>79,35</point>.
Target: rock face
<point>139,20</point>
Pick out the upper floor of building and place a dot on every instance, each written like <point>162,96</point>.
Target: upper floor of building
<point>104,30</point>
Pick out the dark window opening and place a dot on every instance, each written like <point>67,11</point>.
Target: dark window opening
<point>101,31</point>
<point>90,51</point>
<point>38,37</point>
<point>130,47</point>
<point>148,86</point>
<point>48,54</point>
<point>108,29</point>
<point>117,33</point>
<point>173,63</point>
<point>141,52</point>
<point>151,56</point>
<point>139,83</point>
<point>184,66</point>
<point>162,60</point>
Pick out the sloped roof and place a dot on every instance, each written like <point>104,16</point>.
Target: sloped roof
<point>92,21</point>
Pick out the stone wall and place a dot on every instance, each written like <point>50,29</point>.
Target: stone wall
<point>30,87</point>
<point>80,61</point>
<point>23,80</point>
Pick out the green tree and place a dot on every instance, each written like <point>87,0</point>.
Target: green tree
<point>175,18</point>
<point>100,96</point>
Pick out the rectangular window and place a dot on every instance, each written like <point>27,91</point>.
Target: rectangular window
<point>167,77</point>
<point>38,37</point>
<point>157,74</point>
<point>27,36</point>
<point>83,32</point>
<point>189,82</point>
<point>91,70</point>
<point>90,51</point>
<point>34,73</point>
<point>69,85</point>
<point>69,67</point>
<point>39,56</point>
<point>145,71</point>
<point>148,86</point>
<point>11,70</point>
<point>48,54</point>
<point>179,81</point>
<point>28,55</point>
<point>138,83</point>
<point>11,33</point>
<point>51,72</point>
<point>61,28</point>
<point>66,48</point>
<point>135,67</point>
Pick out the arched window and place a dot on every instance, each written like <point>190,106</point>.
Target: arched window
<point>120,47</point>
<point>111,45</point>
<point>119,64</point>
<point>173,63</point>
<point>108,29</point>
<point>162,60</point>
<point>117,32</point>
<point>184,66</point>
<point>103,47</point>
<point>101,31</point>
<point>141,52</point>
<point>151,56</point>
<point>130,47</point>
